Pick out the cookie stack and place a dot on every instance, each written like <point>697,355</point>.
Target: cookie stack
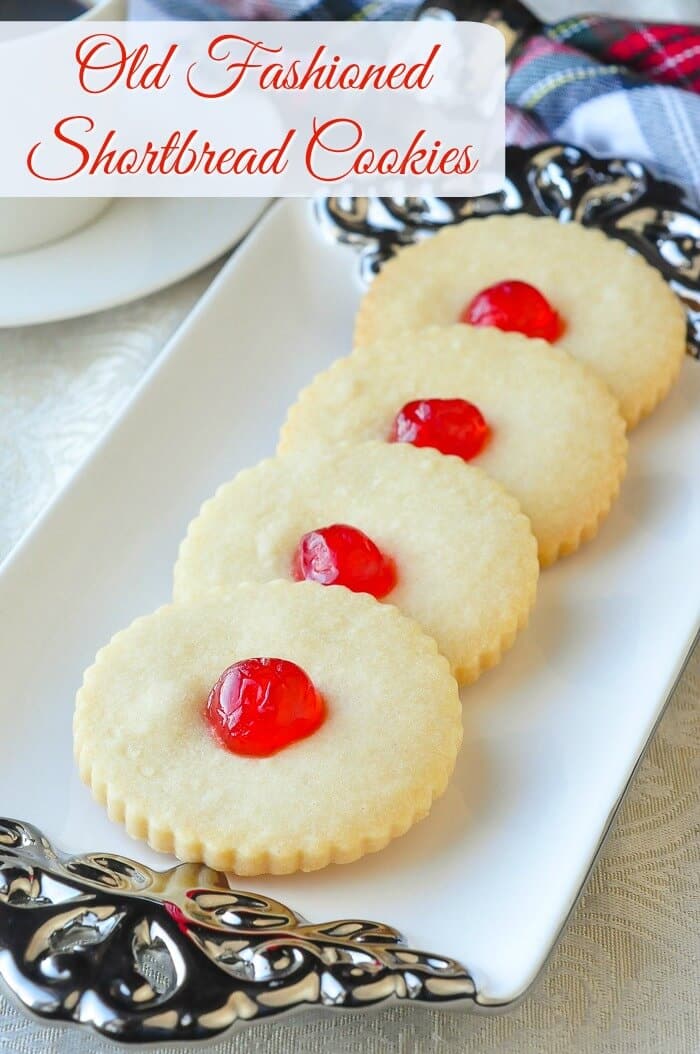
<point>297,704</point>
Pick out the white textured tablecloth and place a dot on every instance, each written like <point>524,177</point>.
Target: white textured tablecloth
<point>626,976</point>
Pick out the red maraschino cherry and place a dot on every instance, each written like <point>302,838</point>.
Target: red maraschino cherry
<point>340,555</point>
<point>452,426</point>
<point>260,706</point>
<point>514,306</point>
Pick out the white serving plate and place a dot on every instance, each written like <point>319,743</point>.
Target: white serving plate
<point>134,248</point>
<point>554,733</point>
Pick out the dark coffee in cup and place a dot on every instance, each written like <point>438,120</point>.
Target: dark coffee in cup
<point>41,10</point>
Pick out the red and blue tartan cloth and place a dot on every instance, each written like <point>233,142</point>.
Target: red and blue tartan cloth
<point>611,86</point>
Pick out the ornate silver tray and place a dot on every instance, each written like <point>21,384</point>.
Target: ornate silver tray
<point>619,196</point>
<point>144,956</point>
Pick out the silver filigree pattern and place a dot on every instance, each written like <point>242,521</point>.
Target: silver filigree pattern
<point>143,955</point>
<point>619,196</point>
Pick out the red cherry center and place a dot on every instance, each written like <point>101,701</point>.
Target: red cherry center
<point>340,555</point>
<point>452,426</point>
<point>260,706</point>
<point>514,306</point>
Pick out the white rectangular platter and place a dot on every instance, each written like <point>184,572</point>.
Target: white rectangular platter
<point>553,734</point>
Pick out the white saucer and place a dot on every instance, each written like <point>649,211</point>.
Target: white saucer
<point>139,245</point>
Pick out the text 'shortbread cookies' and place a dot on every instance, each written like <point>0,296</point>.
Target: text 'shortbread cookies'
<point>531,416</point>
<point>286,727</point>
<point>615,311</point>
<point>426,532</point>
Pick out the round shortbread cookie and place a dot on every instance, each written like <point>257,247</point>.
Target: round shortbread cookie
<point>620,316</point>
<point>384,753</point>
<point>465,556</point>
<point>558,441</point>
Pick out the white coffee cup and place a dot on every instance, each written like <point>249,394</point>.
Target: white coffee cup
<point>26,223</point>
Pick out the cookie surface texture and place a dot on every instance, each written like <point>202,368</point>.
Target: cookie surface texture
<point>465,557</point>
<point>620,316</point>
<point>383,754</point>
<point>557,443</point>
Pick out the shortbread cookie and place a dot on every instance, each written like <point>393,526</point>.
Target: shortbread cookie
<point>557,441</point>
<point>618,314</point>
<point>382,754</point>
<point>463,556</point>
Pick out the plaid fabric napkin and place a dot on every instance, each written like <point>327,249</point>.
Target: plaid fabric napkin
<point>613,87</point>
<point>610,86</point>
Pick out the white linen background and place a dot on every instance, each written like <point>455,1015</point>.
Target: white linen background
<point>625,978</point>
